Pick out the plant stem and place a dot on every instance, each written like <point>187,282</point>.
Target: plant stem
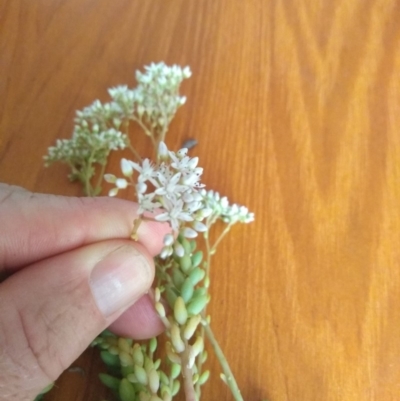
<point>187,374</point>
<point>97,188</point>
<point>219,239</point>
<point>135,153</point>
<point>144,128</point>
<point>87,176</point>
<point>88,188</point>
<point>230,379</point>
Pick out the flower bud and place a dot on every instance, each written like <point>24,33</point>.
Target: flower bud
<point>187,290</point>
<point>188,232</point>
<point>113,192</point>
<point>197,347</point>
<point>137,355</point>
<point>171,297</point>
<point>186,244</point>
<point>176,339</point>
<point>144,396</point>
<point>185,263</point>
<point>163,379</point>
<point>197,258</point>
<point>157,363</point>
<point>199,226</point>
<point>175,387</point>
<point>197,304</point>
<point>191,327</point>
<point>163,151</point>
<point>168,240</point>
<point>178,249</point>
<point>172,355</point>
<point>126,390</point>
<point>177,278</point>
<point>110,178</point>
<point>124,344</point>
<point>154,381</point>
<point>153,344</point>
<point>175,370</point>
<point>125,359</point>
<point>204,377</point>
<point>141,375</point>
<point>160,309</point>
<point>180,312</point>
<point>157,294</point>
<point>126,168</point>
<point>196,275</point>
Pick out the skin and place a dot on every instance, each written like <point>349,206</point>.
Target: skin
<point>49,247</point>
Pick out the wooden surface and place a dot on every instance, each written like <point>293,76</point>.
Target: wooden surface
<point>296,107</point>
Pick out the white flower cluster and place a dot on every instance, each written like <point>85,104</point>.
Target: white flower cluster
<point>153,103</point>
<point>96,133</point>
<point>229,213</point>
<point>86,142</point>
<point>172,186</point>
<point>156,98</point>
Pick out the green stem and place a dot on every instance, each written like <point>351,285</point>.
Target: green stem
<point>87,187</point>
<point>135,153</point>
<point>86,176</point>
<point>230,379</point>
<point>226,230</point>
<point>97,188</point>
<point>207,264</point>
<point>144,128</point>
<point>187,374</point>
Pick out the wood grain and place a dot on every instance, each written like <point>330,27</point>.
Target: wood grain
<point>296,107</point>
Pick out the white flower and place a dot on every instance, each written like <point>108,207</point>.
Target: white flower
<point>173,187</point>
<point>121,183</point>
<point>147,203</point>
<point>221,208</point>
<point>126,167</point>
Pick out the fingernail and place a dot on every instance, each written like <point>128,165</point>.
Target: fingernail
<point>119,279</point>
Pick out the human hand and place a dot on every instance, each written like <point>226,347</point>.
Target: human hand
<point>68,272</point>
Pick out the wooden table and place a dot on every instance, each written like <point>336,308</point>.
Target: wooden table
<point>296,108</point>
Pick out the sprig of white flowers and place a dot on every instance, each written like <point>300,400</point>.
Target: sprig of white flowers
<point>168,189</point>
<point>103,127</point>
<point>228,213</point>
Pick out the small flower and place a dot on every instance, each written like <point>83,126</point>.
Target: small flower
<point>220,207</point>
<point>121,183</point>
<point>126,167</point>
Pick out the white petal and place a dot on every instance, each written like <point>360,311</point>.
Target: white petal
<point>111,178</point>
<point>126,168</point>
<point>200,227</point>
<point>185,216</point>
<point>188,197</point>
<point>141,187</point>
<point>121,183</point>
<point>165,252</point>
<point>162,151</point>
<point>174,180</point>
<point>162,217</point>
<point>113,192</point>
<point>188,232</point>
<point>206,212</point>
<point>179,250</point>
<point>168,239</point>
<point>193,162</point>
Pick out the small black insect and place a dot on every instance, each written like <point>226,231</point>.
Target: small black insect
<point>189,143</point>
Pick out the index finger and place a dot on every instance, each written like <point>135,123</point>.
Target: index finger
<point>36,226</point>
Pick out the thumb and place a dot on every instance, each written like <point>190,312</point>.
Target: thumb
<point>52,310</point>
